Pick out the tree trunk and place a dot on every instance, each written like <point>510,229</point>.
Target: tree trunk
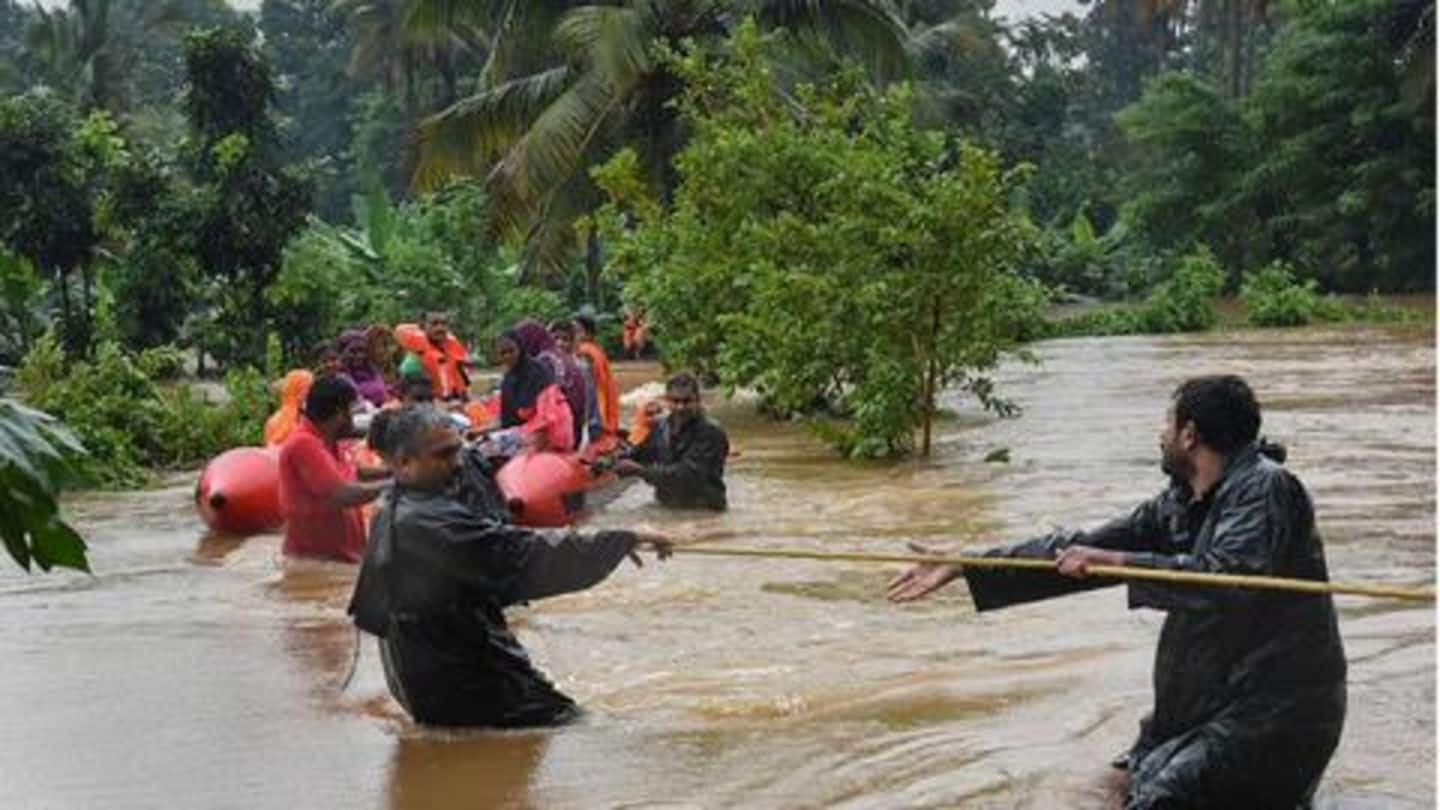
<point>67,331</point>
<point>592,269</point>
<point>932,373</point>
<point>1236,42</point>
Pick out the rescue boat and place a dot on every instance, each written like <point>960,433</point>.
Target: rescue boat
<point>239,490</point>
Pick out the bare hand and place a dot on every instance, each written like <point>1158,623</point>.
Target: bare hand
<point>1075,561</point>
<point>923,578</point>
<point>648,539</point>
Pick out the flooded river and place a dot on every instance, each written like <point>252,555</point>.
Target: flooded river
<point>207,674</point>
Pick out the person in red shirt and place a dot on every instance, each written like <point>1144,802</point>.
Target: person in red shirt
<point>319,494</point>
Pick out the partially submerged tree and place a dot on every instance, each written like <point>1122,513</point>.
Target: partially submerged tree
<point>823,250</point>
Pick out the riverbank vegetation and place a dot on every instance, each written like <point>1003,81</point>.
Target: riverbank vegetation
<point>847,206</point>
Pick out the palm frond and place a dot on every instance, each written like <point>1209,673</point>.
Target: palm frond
<point>868,27</point>
<point>612,39</point>
<point>552,243</point>
<point>522,42</point>
<point>471,134</point>
<point>551,150</point>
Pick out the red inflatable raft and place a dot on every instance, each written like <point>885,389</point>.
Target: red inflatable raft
<point>239,491</point>
<point>547,489</point>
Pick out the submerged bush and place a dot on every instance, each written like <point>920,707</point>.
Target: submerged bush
<point>1183,302</point>
<point>128,423</point>
<point>1273,296</point>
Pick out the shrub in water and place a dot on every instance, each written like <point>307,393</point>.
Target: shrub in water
<point>1273,296</point>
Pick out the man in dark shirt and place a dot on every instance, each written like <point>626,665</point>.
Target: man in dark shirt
<point>683,458</point>
<point>1249,684</point>
<point>438,573</point>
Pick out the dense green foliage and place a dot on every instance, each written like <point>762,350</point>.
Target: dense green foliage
<point>1274,297</point>
<point>405,260</point>
<point>185,174</point>
<point>1183,302</point>
<point>47,198</point>
<point>35,464</point>
<point>823,250</point>
<point>247,205</point>
<point>1328,164</point>
<point>128,422</point>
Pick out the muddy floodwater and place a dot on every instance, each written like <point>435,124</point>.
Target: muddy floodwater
<point>204,673</point>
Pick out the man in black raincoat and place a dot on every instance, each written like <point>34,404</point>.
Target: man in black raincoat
<point>683,458</point>
<point>438,573</point>
<point>1249,684</point>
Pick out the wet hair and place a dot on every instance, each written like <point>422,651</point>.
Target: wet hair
<point>325,348</point>
<point>1223,408</point>
<point>563,327</point>
<point>684,381</point>
<point>378,437</point>
<point>425,316</point>
<point>328,396</point>
<point>408,432</point>
<point>416,379</point>
<point>586,323</point>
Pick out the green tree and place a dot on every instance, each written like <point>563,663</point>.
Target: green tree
<point>15,21</point>
<point>309,44</point>
<point>596,82</point>
<point>47,199</point>
<point>823,249</point>
<point>1191,148</point>
<point>247,205</point>
<point>101,54</point>
<point>153,275</point>
<point>1344,178</point>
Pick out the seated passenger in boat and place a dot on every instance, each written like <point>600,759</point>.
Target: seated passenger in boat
<point>437,576</point>
<point>531,403</point>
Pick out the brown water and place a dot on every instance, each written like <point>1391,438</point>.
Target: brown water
<point>194,673</point>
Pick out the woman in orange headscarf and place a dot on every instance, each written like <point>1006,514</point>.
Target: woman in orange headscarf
<point>292,394</point>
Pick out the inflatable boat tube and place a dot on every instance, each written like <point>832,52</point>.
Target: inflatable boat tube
<point>547,489</point>
<point>239,491</point>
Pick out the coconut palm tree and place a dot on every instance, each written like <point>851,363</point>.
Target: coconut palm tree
<point>72,46</point>
<point>546,114</point>
<point>396,40</point>
<point>78,51</point>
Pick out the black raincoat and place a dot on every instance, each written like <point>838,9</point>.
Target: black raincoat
<point>1249,684</point>
<point>433,585</point>
<point>475,485</point>
<point>686,466</point>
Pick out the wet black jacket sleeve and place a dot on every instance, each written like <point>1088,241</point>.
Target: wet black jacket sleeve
<point>1138,531</point>
<point>518,564</point>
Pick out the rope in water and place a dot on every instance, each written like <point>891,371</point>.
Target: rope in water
<point>1118,572</point>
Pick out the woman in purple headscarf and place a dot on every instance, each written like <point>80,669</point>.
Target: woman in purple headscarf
<point>535,340</point>
<point>356,366</point>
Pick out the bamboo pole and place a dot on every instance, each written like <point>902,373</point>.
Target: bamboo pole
<point>1119,572</point>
